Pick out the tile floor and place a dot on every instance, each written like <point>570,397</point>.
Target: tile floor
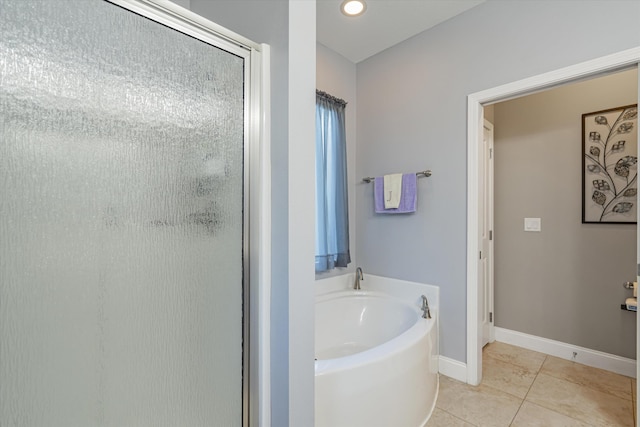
<point>526,388</point>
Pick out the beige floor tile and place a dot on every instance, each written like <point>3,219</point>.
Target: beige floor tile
<point>506,376</point>
<point>480,406</point>
<point>597,379</point>
<point>440,418</point>
<point>528,359</point>
<point>532,415</point>
<point>634,399</point>
<point>580,402</point>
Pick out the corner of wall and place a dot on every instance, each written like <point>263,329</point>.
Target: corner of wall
<point>301,166</point>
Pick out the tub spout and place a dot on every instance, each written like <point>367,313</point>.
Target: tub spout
<point>426,313</point>
<point>359,277</point>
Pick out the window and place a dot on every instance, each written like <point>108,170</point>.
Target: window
<point>332,207</point>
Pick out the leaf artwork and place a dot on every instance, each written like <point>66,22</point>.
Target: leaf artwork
<point>601,184</point>
<point>618,146</point>
<point>630,114</point>
<point>599,197</point>
<point>628,161</point>
<point>610,165</point>
<point>625,128</point>
<point>621,170</point>
<point>593,168</point>
<point>601,120</point>
<point>622,207</point>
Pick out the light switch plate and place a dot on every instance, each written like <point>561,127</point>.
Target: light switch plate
<point>532,224</point>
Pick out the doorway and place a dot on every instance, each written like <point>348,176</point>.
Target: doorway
<point>475,104</point>
<point>553,272</point>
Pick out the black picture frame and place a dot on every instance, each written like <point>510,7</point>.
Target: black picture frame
<point>610,166</point>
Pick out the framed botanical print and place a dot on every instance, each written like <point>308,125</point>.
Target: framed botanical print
<point>610,165</point>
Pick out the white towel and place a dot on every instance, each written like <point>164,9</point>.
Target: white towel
<point>392,190</point>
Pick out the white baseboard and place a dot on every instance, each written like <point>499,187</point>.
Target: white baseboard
<point>595,358</point>
<point>452,368</point>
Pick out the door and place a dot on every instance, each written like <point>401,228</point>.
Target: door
<point>122,234</point>
<point>486,235</point>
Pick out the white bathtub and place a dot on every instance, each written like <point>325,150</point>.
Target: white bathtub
<point>376,357</point>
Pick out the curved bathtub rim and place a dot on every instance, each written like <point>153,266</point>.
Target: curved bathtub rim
<point>358,293</point>
<point>397,305</point>
<point>380,352</point>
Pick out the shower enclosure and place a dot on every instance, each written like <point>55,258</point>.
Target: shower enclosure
<point>123,217</point>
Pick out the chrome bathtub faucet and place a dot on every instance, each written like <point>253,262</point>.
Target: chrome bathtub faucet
<point>426,313</point>
<point>359,277</point>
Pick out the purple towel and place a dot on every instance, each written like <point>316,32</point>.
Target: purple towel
<point>408,200</point>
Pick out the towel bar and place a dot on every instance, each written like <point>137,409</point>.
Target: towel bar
<point>426,173</point>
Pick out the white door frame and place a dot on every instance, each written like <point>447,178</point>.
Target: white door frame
<point>475,121</point>
<point>486,235</point>
<point>257,308</point>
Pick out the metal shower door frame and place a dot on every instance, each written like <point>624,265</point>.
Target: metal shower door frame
<point>256,228</point>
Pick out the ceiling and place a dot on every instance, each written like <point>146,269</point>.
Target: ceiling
<point>384,23</point>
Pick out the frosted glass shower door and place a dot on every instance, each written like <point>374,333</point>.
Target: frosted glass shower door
<point>121,220</point>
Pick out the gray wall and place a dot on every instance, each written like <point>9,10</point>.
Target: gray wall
<point>412,115</point>
<point>563,283</point>
<point>267,21</point>
<point>336,75</point>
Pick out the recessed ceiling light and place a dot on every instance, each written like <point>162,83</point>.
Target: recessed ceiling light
<point>353,7</point>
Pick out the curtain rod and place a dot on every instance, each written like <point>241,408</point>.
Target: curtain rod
<point>329,97</point>
<point>426,173</point>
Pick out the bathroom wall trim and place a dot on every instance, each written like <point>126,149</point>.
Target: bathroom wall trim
<point>610,362</point>
<point>586,356</point>
<point>260,281</point>
<point>475,119</point>
<point>452,368</point>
